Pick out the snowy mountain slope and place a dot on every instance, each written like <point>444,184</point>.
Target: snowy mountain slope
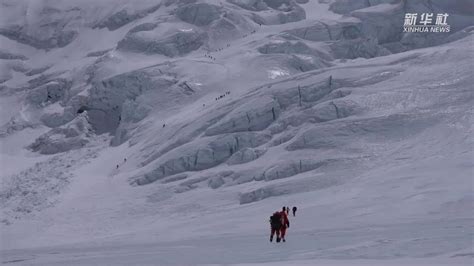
<point>225,111</point>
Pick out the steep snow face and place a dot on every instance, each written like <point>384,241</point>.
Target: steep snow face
<point>233,108</point>
<point>146,39</point>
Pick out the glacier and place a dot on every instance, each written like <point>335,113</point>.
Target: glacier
<point>166,132</point>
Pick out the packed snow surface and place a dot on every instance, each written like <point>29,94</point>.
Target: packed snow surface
<point>167,132</point>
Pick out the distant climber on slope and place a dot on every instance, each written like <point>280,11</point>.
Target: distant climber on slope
<point>294,210</point>
<point>275,225</point>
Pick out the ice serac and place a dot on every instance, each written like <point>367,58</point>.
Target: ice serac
<point>50,92</point>
<point>245,155</point>
<point>216,182</point>
<point>328,31</point>
<point>308,94</point>
<point>52,28</point>
<point>172,44</point>
<point>384,22</point>
<point>290,168</point>
<point>11,56</point>
<point>124,17</point>
<point>106,100</point>
<point>459,17</point>
<point>346,39</point>
<point>199,14</point>
<point>59,38</point>
<point>347,6</point>
<point>253,5</point>
<point>201,155</point>
<point>73,135</point>
<point>273,12</point>
<point>365,48</point>
<point>362,133</point>
<point>319,113</point>
<point>255,115</point>
<point>227,27</point>
<point>313,183</point>
<point>285,47</point>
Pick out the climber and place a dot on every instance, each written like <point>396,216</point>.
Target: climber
<point>285,223</point>
<point>275,225</point>
<point>294,210</point>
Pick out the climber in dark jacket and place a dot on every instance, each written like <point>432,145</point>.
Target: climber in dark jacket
<point>275,226</point>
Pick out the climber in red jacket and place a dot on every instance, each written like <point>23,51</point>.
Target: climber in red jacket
<point>285,223</point>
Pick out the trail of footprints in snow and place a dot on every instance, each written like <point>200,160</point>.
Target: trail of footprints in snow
<point>208,54</point>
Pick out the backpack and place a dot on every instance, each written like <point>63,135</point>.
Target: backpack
<point>275,220</point>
